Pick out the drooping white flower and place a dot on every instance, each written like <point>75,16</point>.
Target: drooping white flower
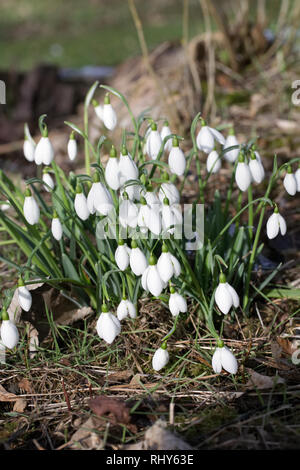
<point>24,296</point>
<point>56,227</point>
<point>48,180</point>
<point>165,132</point>
<point>223,358</point>
<point>8,332</point>
<point>151,197</point>
<point>108,114</point>
<point>80,204</point>
<point>98,108</point>
<point>72,147</point>
<point>154,142</point>
<point>242,174</point>
<point>171,216</point>
<point>167,265</point>
<point>126,308</point>
<point>151,280</point>
<point>275,224</point>
<point>99,198</point>
<point>137,259</point>
<point>30,208</point>
<point>128,213</point>
<point>256,168</point>
<point>108,326</point>
<point>144,215</point>
<point>169,191</point>
<point>112,171</point>
<point>297,176</point>
<point>29,149</point>
<point>206,138</point>
<point>231,141</point>
<point>176,160</point>
<point>44,152</point>
<point>290,182</point>
<point>160,358</point>
<point>226,296</point>
<point>127,167</point>
<point>149,217</point>
<point>213,162</point>
<point>122,254</point>
<point>177,303</point>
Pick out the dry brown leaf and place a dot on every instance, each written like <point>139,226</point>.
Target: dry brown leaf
<point>7,396</point>
<point>120,376</point>
<point>286,345</point>
<point>261,382</point>
<point>86,437</point>
<point>115,409</point>
<point>20,405</point>
<point>25,386</point>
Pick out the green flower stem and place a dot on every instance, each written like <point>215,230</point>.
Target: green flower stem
<point>250,213</point>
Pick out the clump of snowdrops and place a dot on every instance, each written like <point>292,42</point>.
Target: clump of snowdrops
<point>119,231</point>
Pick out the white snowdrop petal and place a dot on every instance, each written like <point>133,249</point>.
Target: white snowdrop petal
<point>9,334</point>
<point>173,305</point>
<point>169,191</point>
<point>102,199</point>
<point>273,226</point>
<point>122,311</point>
<point>229,362</point>
<point>109,117</point>
<point>223,298</point>
<point>127,168</point>
<point>56,228</point>
<point>29,150</point>
<point>176,161</point>
<point>176,265</point>
<point>81,208</point>
<point>165,132</point>
<point>282,224</point>
<point>99,111</point>
<point>205,140</point>
<point>216,361</point>
<point>290,184</point>
<point>25,298</point>
<point>160,359</point>
<point>257,171</point>
<point>297,176</point>
<point>217,135</point>
<point>72,149</point>
<point>49,182</point>
<point>112,174</point>
<point>153,144</point>
<point>213,162</point>
<point>233,154</point>
<point>154,221</point>
<point>233,293</point>
<point>138,261</point>
<point>154,282</point>
<point>122,257</point>
<point>31,210</point>
<point>108,327</point>
<point>165,267</point>
<point>243,176</point>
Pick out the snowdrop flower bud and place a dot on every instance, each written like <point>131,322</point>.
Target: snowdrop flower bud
<point>231,141</point>
<point>275,224</point>
<point>297,176</point>
<point>48,180</point>
<point>242,174</point>
<point>24,296</point>
<point>108,326</point>
<point>165,132</point>
<point>112,175</point>
<point>44,152</point>
<point>177,303</point>
<point>256,168</point>
<point>137,259</point>
<point>171,216</point>
<point>206,138</point>
<point>151,280</point>
<point>72,147</point>
<point>127,167</point>
<point>125,309</point>
<point>8,331</point>
<point>98,109</point>
<point>226,296</point>
<point>169,191</point>
<point>128,212</point>
<point>122,254</point>
<point>160,358</point>
<point>167,265</point>
<point>80,204</point>
<point>99,198</point>
<point>29,149</point>
<point>223,358</point>
<point>56,227</point>
<point>290,182</point>
<point>109,116</point>
<point>213,162</point>
<point>176,161</point>
<point>154,142</point>
<point>30,208</point>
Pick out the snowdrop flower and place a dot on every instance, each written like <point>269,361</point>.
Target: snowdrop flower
<point>137,259</point>
<point>29,149</point>
<point>226,296</point>
<point>99,198</point>
<point>206,138</point>
<point>167,265</point>
<point>48,181</point>
<point>112,175</point>
<point>149,217</point>
<point>151,280</point>
<point>144,215</point>
<point>256,168</point>
<point>242,174</point>
<point>171,216</point>
<point>213,162</point>
<point>108,115</point>
<point>125,309</point>
<point>44,152</point>
<point>275,224</point>
<point>154,142</point>
<point>127,167</point>
<point>24,296</point>
<point>290,182</point>
<point>128,212</point>
<point>5,206</point>
<point>160,358</point>
<point>98,108</point>
<point>56,227</point>
<point>165,132</point>
<point>72,147</point>
<point>108,326</point>
<point>80,204</point>
<point>30,208</point>
<point>177,303</point>
<point>231,141</point>
<point>297,176</point>
<point>176,161</point>
<point>223,358</point>
<point>122,254</point>
<point>169,191</point>
<point>8,331</point>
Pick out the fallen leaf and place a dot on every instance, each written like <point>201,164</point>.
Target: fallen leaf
<point>7,396</point>
<point>118,410</point>
<point>120,376</point>
<point>261,382</point>
<point>86,437</point>
<point>25,386</point>
<point>286,345</point>
<point>20,405</point>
